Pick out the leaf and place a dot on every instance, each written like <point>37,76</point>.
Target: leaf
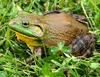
<point>53,50</point>
<point>61,45</point>
<point>97,19</point>
<point>1,42</point>
<point>2,74</point>
<point>94,65</point>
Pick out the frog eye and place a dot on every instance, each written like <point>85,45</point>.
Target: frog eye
<point>25,23</point>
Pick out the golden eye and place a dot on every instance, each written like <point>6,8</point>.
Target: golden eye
<point>25,23</point>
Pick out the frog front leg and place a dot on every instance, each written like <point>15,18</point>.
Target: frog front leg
<point>36,51</point>
<point>83,46</point>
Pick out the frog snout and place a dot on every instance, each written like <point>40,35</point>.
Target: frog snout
<point>12,23</point>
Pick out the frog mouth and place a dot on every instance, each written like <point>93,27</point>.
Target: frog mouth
<point>30,32</point>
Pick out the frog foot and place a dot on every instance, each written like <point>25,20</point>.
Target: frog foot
<point>38,51</point>
<point>83,46</point>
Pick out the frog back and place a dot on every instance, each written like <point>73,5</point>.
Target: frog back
<point>62,27</point>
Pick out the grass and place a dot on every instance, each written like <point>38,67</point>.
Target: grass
<point>14,64</point>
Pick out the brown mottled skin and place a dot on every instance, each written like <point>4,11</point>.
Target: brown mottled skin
<point>55,27</point>
<point>62,27</point>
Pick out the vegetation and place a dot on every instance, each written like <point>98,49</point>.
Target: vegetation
<point>14,55</point>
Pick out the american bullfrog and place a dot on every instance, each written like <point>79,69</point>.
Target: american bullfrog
<point>52,28</point>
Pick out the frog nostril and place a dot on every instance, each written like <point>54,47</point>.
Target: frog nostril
<point>12,23</point>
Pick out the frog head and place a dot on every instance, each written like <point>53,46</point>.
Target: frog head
<point>27,24</point>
